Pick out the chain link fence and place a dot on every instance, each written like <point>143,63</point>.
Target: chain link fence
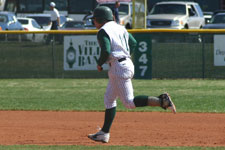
<point>179,54</point>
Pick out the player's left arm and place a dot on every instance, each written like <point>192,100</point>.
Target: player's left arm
<point>104,43</point>
<point>132,43</point>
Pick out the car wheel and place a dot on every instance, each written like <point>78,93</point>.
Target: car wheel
<point>186,27</point>
<point>128,26</point>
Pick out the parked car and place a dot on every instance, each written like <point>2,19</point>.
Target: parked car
<point>125,12</point>
<point>88,22</point>
<point>217,21</point>
<point>207,16</point>
<point>64,19</point>
<point>176,15</point>
<point>44,20</point>
<point>73,25</point>
<point>8,21</point>
<point>29,24</point>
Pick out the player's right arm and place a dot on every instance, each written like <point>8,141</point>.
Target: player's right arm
<point>104,43</point>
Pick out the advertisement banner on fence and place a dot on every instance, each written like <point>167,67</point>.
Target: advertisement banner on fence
<point>219,50</point>
<point>81,52</point>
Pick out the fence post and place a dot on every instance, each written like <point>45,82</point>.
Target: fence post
<point>53,56</point>
<point>203,56</point>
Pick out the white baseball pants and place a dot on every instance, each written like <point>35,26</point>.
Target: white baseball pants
<point>120,84</point>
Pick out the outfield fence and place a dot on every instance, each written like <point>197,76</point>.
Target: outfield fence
<point>163,54</point>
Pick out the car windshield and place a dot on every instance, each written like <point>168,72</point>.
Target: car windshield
<point>3,18</point>
<point>23,21</point>
<point>42,21</point>
<point>168,9</point>
<point>89,22</point>
<point>218,19</point>
<point>35,24</point>
<point>123,9</point>
<point>62,19</point>
<point>72,24</point>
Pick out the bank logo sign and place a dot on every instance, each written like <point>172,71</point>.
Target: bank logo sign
<point>81,52</point>
<point>219,50</point>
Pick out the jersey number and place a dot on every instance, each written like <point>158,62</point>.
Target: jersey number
<point>124,41</point>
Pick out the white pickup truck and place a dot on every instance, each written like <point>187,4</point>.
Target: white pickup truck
<point>176,15</point>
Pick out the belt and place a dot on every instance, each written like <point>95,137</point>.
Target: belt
<point>121,59</point>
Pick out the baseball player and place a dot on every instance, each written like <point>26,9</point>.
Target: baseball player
<point>116,45</point>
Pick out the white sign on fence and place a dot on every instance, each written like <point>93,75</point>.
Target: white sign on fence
<point>81,52</point>
<point>219,50</point>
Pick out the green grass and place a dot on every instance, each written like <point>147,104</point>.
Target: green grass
<point>87,94</point>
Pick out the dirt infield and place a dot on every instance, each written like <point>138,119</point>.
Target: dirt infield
<point>129,128</point>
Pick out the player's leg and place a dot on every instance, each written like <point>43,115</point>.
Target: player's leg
<point>162,100</point>
<point>103,135</point>
<point>125,92</point>
<point>110,104</point>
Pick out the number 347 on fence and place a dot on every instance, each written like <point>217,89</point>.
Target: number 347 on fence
<point>143,56</point>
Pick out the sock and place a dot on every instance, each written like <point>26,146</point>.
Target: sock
<point>141,101</point>
<point>109,117</point>
<point>153,101</point>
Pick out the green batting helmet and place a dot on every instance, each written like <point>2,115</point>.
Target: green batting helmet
<point>103,12</point>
